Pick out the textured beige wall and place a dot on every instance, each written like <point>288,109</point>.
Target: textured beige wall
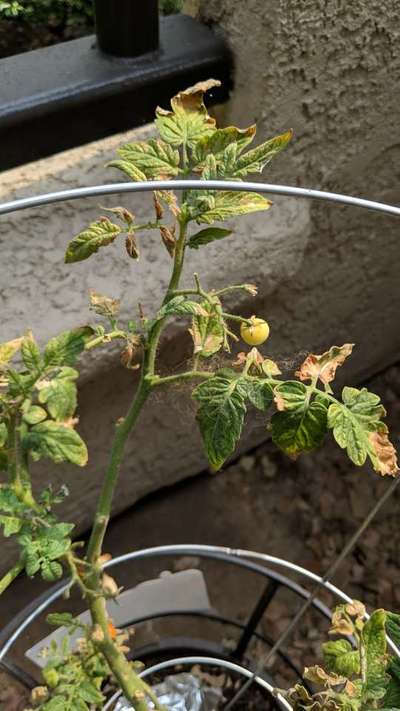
<point>327,274</point>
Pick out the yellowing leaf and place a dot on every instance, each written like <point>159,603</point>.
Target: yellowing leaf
<point>30,352</point>
<point>57,442</point>
<point>254,161</point>
<point>98,234</point>
<point>357,427</point>
<point>207,331</point>
<point>217,142</point>
<point>224,205</point>
<point>324,366</point>
<point>189,119</point>
<point>65,348</point>
<point>154,158</point>
<point>9,349</point>
<point>129,169</point>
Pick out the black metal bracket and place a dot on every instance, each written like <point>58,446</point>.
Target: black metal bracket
<point>127,28</point>
<point>69,94</point>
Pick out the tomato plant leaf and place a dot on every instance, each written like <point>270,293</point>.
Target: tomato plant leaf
<point>60,396</point>
<point>98,234</point>
<point>104,305</point>
<point>218,141</point>
<point>34,415</point>
<point>189,119</point>
<point>374,642</point>
<point>66,347</point>
<point>341,658</point>
<point>209,234</point>
<point>11,525</point>
<point>154,158</point>
<point>30,353</point>
<point>357,428</point>
<point>129,169</point>
<point>208,332</point>
<point>301,424</point>
<point>57,442</point>
<point>259,392</point>
<point>181,306</point>
<point>223,205</point>
<point>324,366</point>
<point>9,349</point>
<point>220,415</point>
<point>254,161</point>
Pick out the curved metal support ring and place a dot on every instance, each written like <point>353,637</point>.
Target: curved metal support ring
<point>150,185</point>
<point>215,662</point>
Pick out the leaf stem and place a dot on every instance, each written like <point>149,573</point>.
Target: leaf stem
<point>156,380</point>
<point>239,319</point>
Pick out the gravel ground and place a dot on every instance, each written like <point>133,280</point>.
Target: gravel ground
<point>304,511</point>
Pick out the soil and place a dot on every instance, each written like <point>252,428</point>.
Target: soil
<point>17,36</point>
<point>303,511</point>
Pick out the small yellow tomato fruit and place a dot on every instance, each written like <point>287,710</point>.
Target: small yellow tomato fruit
<point>256,333</point>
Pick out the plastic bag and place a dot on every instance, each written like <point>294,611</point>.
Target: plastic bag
<point>181,692</point>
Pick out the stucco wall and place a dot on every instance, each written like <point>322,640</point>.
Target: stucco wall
<point>326,274</point>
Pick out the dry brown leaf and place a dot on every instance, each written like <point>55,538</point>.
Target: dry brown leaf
<point>355,608</point>
<point>324,366</point>
<point>385,453</point>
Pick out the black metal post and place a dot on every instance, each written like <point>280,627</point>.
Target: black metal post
<point>127,28</point>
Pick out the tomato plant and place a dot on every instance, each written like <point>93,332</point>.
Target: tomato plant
<point>38,396</point>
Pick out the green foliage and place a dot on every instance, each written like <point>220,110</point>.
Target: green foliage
<point>355,421</point>
<point>55,441</point>
<point>221,414</point>
<point>73,677</point>
<point>209,234</point>
<point>88,242</point>
<point>301,424</point>
<point>361,674</point>
<point>41,11</point>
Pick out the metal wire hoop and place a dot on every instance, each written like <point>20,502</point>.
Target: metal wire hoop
<point>227,185</point>
<point>214,661</point>
<point>230,555</point>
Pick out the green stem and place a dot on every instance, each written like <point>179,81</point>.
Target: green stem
<point>131,684</point>
<point>8,578</point>
<point>135,690</point>
<point>123,429</point>
<point>155,334</point>
<point>104,339</point>
<point>156,380</point>
<point>239,319</point>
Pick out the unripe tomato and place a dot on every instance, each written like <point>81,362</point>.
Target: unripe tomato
<point>256,333</point>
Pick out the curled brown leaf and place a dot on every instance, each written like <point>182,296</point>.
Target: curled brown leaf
<point>324,366</point>
<point>385,456</point>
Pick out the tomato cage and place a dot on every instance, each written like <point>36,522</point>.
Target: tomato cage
<point>170,589</point>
